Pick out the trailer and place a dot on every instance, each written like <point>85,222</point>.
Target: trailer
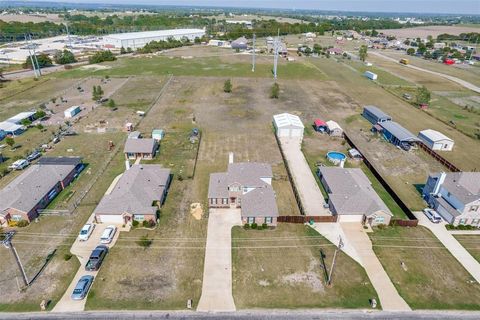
<point>71,112</point>
<point>370,75</point>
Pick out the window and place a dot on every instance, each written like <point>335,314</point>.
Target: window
<point>475,222</point>
<point>268,220</point>
<point>473,208</point>
<point>380,220</point>
<point>139,217</point>
<point>224,201</point>
<point>16,217</point>
<point>463,221</point>
<point>251,220</point>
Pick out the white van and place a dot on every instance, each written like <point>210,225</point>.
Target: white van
<point>432,215</point>
<point>108,234</point>
<point>19,164</point>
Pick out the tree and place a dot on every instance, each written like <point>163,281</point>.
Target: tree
<point>275,91</point>
<point>410,51</point>
<point>111,103</point>
<point>122,50</point>
<point>362,53</point>
<point>64,57</point>
<point>10,141</point>
<point>423,95</point>
<point>227,86</point>
<point>26,122</point>
<point>43,61</point>
<point>102,56</point>
<point>40,114</point>
<point>144,242</point>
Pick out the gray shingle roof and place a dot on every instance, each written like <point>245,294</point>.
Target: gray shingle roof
<point>218,186</point>
<point>260,202</point>
<point>398,131</point>
<point>136,191</point>
<point>140,146</point>
<point>351,192</point>
<point>25,191</point>
<point>465,186</point>
<point>377,112</point>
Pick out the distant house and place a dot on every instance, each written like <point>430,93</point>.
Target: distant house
<point>17,119</point>
<point>36,187</point>
<point>320,125</point>
<point>12,129</point>
<point>288,125</point>
<point>334,129</point>
<point>455,196</point>
<point>335,51</point>
<point>245,185</point>
<point>241,43</point>
<point>351,196</point>
<point>137,195</point>
<point>140,148</point>
<point>398,135</point>
<point>436,140</point>
<point>375,115</point>
<point>72,112</point>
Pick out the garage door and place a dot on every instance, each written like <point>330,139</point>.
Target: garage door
<point>350,218</point>
<point>115,219</point>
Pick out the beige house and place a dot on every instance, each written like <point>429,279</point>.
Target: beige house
<point>140,148</point>
<point>351,196</point>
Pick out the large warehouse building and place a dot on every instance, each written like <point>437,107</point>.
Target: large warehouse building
<point>137,40</point>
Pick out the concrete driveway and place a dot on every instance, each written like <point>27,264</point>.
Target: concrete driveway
<point>452,245</point>
<point>310,194</point>
<point>217,272</point>
<point>388,294</point>
<point>82,250</point>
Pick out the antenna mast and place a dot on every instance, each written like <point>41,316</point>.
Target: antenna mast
<point>253,57</point>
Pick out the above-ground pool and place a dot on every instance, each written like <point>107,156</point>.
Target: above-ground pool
<point>336,157</point>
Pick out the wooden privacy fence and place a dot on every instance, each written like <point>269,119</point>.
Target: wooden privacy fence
<point>404,223</point>
<point>450,166</point>
<point>306,219</point>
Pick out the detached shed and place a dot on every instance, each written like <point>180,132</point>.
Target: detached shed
<point>375,115</point>
<point>288,125</point>
<point>158,134</point>
<point>436,140</point>
<point>320,125</point>
<point>398,135</point>
<point>334,129</point>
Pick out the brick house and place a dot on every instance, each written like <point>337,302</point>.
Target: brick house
<point>34,189</point>
<point>247,186</point>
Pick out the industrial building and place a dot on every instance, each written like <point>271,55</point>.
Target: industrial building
<point>137,40</point>
<point>436,140</point>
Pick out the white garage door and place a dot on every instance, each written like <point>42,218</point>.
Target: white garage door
<point>350,218</point>
<point>115,219</point>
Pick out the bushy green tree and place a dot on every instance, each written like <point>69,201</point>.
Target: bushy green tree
<point>423,95</point>
<point>410,51</point>
<point>275,91</point>
<point>102,56</point>
<point>43,61</point>
<point>10,141</point>
<point>227,86</point>
<point>64,57</point>
<point>362,53</point>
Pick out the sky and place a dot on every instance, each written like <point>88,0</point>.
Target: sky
<point>417,6</point>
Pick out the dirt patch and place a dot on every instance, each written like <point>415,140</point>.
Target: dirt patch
<point>309,278</point>
<point>196,210</point>
<point>95,67</point>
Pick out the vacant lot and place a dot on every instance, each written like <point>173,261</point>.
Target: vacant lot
<point>282,268</point>
<point>471,243</point>
<point>425,274</point>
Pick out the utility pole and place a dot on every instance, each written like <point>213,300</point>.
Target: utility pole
<point>68,35</point>
<point>253,57</point>
<point>340,246</point>
<point>7,242</point>
<point>31,59</point>
<point>35,56</point>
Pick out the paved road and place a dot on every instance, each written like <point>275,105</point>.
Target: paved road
<point>15,75</point>
<point>310,194</point>
<point>217,274</point>
<point>449,241</point>
<point>461,82</point>
<point>389,297</point>
<point>318,314</point>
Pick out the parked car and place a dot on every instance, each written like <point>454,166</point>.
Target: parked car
<point>407,96</point>
<point>82,287</point>
<point>34,155</point>
<point>432,215</point>
<point>86,232</point>
<point>108,234</point>
<point>96,258</point>
<point>19,164</point>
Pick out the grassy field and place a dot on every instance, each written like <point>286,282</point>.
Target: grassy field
<point>282,268</point>
<point>384,77</point>
<point>471,243</point>
<point>430,278</point>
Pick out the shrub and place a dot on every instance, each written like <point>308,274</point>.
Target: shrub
<point>382,226</point>
<point>449,226</point>
<point>135,223</point>
<point>275,91</point>
<point>22,223</point>
<point>151,223</point>
<point>254,225</point>
<point>265,226</point>
<point>102,56</point>
<point>227,86</point>
<point>145,223</point>
<point>67,256</point>
<point>246,226</point>
<point>144,242</point>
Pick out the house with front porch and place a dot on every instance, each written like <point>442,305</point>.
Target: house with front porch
<point>247,186</point>
<point>137,195</point>
<point>142,148</point>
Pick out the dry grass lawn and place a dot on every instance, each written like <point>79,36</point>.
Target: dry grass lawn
<point>471,243</point>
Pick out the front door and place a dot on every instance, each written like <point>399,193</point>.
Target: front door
<point>233,201</point>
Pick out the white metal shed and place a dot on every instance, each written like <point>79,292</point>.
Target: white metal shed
<point>436,140</point>
<point>288,125</point>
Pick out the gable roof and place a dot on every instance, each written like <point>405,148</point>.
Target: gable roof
<point>140,146</point>
<point>465,186</point>
<point>259,203</point>
<point>332,125</point>
<point>351,192</point>
<point>433,135</point>
<point>26,190</point>
<point>398,131</point>
<point>379,114</point>
<point>136,191</point>
<point>319,122</point>
<point>287,120</point>
<point>21,116</point>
